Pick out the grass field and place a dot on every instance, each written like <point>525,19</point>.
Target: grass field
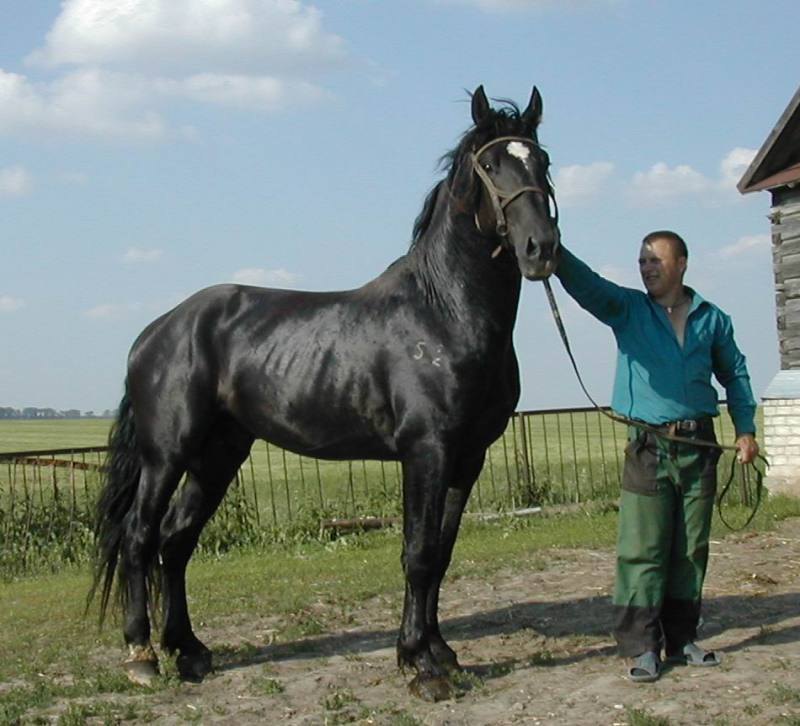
<point>34,435</point>
<point>239,573</point>
<point>47,635</point>
<point>50,652</point>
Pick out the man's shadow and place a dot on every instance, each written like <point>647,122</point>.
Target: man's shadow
<point>591,617</point>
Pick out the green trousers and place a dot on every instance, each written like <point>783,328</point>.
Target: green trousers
<point>662,548</point>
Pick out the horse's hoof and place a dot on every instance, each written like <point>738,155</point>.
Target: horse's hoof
<point>141,672</point>
<point>446,658</point>
<point>141,665</point>
<point>431,688</point>
<point>194,667</point>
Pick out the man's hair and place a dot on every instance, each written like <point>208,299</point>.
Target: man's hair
<point>677,241</point>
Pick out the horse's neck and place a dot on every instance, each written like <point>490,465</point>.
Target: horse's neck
<point>455,269</point>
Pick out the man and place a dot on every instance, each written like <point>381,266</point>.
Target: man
<point>669,342</point>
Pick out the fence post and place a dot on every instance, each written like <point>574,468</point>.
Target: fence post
<point>600,418</point>
<point>525,454</point>
<point>319,485</point>
<point>271,487</point>
<point>286,485</point>
<point>546,451</point>
<point>255,489</point>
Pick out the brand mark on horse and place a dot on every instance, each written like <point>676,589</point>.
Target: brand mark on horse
<point>420,354</point>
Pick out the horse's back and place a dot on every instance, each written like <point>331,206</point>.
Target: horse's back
<point>294,367</point>
<point>350,374</point>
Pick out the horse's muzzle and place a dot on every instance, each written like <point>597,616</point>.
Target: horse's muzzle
<point>539,259</point>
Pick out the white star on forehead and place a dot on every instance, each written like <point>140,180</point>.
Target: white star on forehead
<point>519,150</point>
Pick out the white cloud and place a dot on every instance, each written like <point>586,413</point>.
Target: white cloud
<point>264,93</point>
<point>579,182</point>
<point>496,6</point>
<point>112,311</point>
<point>268,278</point>
<point>136,254</point>
<point>734,165</point>
<point>90,101</point>
<point>746,244</point>
<point>104,103</point>
<point>15,181</point>
<point>662,183</point>
<point>190,36</point>
<point>9,304</point>
<point>120,64</point>
<point>501,5</point>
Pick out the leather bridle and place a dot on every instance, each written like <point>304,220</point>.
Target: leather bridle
<point>500,199</point>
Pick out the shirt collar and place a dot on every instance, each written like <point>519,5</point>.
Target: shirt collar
<point>696,297</point>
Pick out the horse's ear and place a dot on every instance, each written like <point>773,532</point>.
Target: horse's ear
<point>532,115</point>
<point>480,105</point>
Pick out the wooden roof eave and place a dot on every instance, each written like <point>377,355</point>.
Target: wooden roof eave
<point>749,181</point>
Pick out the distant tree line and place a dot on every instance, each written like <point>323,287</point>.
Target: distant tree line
<point>31,412</point>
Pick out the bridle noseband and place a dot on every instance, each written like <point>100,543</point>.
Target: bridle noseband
<point>500,199</point>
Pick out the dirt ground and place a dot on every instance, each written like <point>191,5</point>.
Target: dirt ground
<point>537,650</point>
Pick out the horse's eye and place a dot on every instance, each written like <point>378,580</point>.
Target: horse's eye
<point>487,166</point>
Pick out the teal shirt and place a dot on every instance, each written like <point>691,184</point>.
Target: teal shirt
<point>656,379</point>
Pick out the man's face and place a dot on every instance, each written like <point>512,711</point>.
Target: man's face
<point>660,267</point>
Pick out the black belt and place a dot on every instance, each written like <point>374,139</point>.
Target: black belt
<point>686,426</point>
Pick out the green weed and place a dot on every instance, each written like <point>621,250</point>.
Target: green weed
<point>265,685</point>
<point>337,699</point>
<point>642,717</point>
<point>109,712</point>
<point>780,693</point>
<point>542,657</point>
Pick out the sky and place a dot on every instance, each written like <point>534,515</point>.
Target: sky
<point>150,148</point>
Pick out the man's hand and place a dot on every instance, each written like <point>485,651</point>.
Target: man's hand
<point>748,448</point>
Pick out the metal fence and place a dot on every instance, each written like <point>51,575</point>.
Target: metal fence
<point>550,456</point>
<point>545,457</point>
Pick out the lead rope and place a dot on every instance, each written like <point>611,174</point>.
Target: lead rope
<point>759,475</point>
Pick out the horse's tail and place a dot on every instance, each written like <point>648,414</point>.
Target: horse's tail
<point>120,482</point>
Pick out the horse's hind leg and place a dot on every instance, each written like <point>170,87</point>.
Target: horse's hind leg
<point>156,484</point>
<point>210,473</point>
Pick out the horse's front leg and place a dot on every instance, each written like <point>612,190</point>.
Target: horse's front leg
<point>425,474</point>
<point>469,467</point>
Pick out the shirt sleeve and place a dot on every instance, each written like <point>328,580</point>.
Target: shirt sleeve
<point>607,301</point>
<point>730,369</point>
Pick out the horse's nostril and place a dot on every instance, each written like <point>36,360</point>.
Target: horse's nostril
<point>530,248</point>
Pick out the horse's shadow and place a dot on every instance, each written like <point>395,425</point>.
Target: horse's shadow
<point>591,617</point>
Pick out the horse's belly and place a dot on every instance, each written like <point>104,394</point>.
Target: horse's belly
<point>316,417</point>
<point>326,437</point>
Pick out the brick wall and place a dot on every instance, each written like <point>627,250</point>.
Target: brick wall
<point>782,444</point>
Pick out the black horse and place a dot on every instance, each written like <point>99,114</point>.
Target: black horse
<point>417,365</point>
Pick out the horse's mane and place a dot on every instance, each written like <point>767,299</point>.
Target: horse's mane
<point>506,120</point>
